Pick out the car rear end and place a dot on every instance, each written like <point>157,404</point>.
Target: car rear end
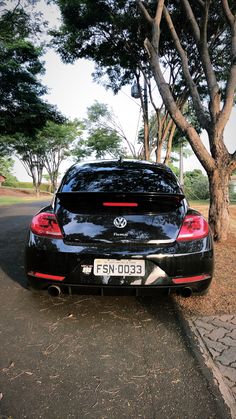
<point>119,226</point>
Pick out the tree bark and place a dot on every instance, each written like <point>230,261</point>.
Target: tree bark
<point>219,203</point>
<point>146,123</point>
<point>169,144</point>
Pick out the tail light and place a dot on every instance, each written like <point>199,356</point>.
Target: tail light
<point>195,278</point>
<point>46,276</point>
<point>193,227</point>
<point>120,204</point>
<point>45,224</point>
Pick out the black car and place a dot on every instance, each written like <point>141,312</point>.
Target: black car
<point>119,226</point>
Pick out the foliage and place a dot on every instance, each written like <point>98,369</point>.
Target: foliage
<point>113,35</point>
<point>46,149</point>
<point>104,141</point>
<point>232,193</point>
<point>6,167</point>
<point>203,35</point>
<point>22,108</point>
<point>31,153</point>
<point>110,34</point>
<point>196,185</point>
<point>56,141</point>
<point>174,169</point>
<point>103,134</point>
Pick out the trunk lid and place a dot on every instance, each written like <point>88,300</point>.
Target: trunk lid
<point>98,217</point>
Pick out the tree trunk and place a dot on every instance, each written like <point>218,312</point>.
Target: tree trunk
<point>35,183</point>
<point>169,145</point>
<point>158,152</point>
<point>219,204</point>
<point>37,190</point>
<point>146,123</point>
<point>181,166</point>
<point>54,184</point>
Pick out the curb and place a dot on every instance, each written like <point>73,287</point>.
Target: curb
<point>224,400</point>
<point>225,391</point>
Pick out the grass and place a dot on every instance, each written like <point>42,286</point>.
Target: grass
<point>12,200</point>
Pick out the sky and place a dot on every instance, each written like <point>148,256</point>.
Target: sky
<point>72,90</point>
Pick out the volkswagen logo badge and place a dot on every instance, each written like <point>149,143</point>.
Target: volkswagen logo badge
<point>120,222</point>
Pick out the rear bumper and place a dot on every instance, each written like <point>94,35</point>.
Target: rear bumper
<point>166,265</point>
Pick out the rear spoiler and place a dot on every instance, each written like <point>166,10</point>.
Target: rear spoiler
<point>113,196</point>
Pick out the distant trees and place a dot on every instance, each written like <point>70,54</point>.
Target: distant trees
<point>102,134</point>
<point>196,185</point>
<point>6,168</point>
<point>23,111</point>
<point>31,154</point>
<point>46,150</point>
<point>56,141</point>
<point>22,108</point>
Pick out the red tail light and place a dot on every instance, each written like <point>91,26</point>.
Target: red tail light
<point>195,278</point>
<point>193,227</point>
<point>46,276</point>
<point>120,204</point>
<point>45,224</point>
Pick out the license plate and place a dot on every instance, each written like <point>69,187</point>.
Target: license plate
<point>124,267</point>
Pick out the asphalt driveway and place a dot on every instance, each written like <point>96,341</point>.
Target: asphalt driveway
<point>92,357</point>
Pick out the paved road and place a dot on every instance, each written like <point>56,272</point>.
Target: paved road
<point>92,357</point>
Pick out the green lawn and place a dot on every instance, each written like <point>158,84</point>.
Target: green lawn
<point>12,200</point>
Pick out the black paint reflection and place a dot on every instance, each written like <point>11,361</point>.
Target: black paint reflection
<point>86,228</point>
<point>112,177</point>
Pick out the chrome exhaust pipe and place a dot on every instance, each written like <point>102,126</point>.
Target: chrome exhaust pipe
<point>186,292</point>
<point>54,291</point>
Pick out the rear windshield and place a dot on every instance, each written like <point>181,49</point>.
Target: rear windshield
<point>120,179</point>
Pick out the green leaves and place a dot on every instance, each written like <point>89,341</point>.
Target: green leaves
<point>103,137</point>
<point>103,141</point>
<point>21,107</point>
<point>111,34</point>
<point>196,185</point>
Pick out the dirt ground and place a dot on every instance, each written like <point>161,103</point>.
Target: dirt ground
<point>221,297</point>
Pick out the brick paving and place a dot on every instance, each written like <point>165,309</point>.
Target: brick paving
<point>218,335</point>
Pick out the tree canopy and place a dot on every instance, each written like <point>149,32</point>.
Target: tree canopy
<point>106,34</point>
<point>22,108</point>
<point>56,140</point>
<point>103,135</point>
<point>112,36</point>
<point>209,28</point>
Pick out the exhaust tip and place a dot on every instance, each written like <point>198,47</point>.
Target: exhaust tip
<point>186,292</point>
<point>54,291</point>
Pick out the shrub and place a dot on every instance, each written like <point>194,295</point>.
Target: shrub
<point>196,185</point>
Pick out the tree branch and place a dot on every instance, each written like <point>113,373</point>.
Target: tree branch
<point>231,83</point>
<point>159,11</point>
<point>144,11</point>
<point>200,37</point>
<point>194,139</point>
<point>188,78</point>
<point>193,21</point>
<point>229,15</point>
<point>201,2</point>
